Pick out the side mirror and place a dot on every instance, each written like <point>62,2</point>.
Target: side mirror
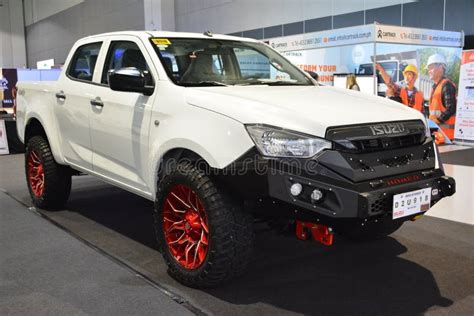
<point>313,75</point>
<point>129,79</point>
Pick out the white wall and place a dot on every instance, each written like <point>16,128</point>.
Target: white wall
<point>228,16</point>
<point>12,35</point>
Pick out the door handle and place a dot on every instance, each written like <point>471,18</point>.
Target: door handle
<point>61,96</point>
<point>97,102</point>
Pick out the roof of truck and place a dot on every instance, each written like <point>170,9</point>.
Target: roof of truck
<point>167,34</point>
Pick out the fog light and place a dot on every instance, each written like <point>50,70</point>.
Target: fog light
<point>296,189</point>
<point>316,195</point>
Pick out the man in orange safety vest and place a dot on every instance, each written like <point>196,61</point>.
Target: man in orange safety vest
<point>443,96</point>
<point>408,94</point>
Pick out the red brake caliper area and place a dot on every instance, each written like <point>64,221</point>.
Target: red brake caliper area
<point>185,226</point>
<point>35,173</point>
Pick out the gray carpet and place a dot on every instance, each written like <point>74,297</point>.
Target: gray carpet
<point>427,267</point>
<point>45,271</point>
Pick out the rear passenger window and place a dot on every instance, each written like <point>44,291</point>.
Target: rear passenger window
<point>83,63</point>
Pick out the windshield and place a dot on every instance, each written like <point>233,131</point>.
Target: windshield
<point>212,62</point>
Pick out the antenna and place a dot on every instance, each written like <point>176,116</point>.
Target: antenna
<point>208,33</point>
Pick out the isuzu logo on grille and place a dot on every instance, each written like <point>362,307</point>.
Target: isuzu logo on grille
<point>387,129</point>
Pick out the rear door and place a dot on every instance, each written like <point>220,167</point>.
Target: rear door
<point>121,121</point>
<point>73,108</point>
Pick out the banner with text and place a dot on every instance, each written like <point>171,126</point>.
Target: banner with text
<point>370,33</point>
<point>407,35</point>
<point>464,128</point>
<point>338,37</point>
<point>327,62</point>
<point>8,80</point>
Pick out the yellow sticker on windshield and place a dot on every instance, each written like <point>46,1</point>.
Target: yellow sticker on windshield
<point>161,41</point>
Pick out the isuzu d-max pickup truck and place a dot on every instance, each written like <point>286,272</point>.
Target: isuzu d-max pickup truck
<point>219,131</point>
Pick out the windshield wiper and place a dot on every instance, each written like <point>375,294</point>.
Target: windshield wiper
<point>285,83</point>
<point>206,83</point>
<point>272,83</point>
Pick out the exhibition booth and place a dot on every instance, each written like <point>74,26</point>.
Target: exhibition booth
<point>358,50</point>
<point>9,142</point>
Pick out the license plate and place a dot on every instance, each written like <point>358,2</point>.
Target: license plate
<point>410,203</point>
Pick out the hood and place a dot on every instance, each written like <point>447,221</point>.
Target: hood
<point>307,109</point>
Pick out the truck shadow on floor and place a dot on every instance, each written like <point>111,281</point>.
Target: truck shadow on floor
<point>345,279</point>
<point>288,275</point>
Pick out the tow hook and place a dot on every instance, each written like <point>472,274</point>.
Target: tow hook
<point>321,233</point>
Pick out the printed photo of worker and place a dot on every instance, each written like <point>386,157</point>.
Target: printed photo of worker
<point>442,97</point>
<point>408,94</point>
<point>423,78</point>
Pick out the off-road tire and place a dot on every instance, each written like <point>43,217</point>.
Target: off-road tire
<point>231,233</point>
<point>57,178</point>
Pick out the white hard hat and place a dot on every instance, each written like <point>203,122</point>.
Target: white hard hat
<point>436,59</point>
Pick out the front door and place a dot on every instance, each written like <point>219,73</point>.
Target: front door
<point>121,120</point>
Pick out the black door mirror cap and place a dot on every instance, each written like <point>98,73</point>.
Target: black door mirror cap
<point>129,79</point>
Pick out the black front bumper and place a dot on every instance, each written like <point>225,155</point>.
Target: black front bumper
<point>362,200</point>
<point>354,185</point>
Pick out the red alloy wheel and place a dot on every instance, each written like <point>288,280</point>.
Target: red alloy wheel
<point>35,174</point>
<point>185,227</point>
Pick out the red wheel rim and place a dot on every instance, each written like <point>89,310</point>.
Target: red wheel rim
<point>185,227</point>
<point>35,173</point>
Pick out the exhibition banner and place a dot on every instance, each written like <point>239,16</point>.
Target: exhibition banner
<point>407,35</point>
<point>332,60</point>
<point>393,59</point>
<point>337,37</point>
<point>375,33</point>
<point>464,128</point>
<point>8,80</point>
<point>357,49</point>
<point>3,139</point>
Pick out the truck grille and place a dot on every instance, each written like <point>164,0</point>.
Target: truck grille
<point>378,144</point>
<point>365,138</point>
<point>362,166</point>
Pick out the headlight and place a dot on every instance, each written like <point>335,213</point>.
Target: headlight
<point>275,142</point>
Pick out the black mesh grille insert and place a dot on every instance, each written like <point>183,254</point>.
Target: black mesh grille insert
<point>379,206</point>
<point>396,161</point>
<point>378,144</point>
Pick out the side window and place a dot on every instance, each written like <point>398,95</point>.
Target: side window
<point>83,63</point>
<point>123,54</point>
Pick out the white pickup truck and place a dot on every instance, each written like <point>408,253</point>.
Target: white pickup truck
<point>219,130</point>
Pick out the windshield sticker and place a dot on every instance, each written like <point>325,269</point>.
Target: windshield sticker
<point>161,41</point>
<point>162,47</point>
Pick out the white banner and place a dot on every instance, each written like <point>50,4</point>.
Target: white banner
<point>338,37</point>
<point>3,139</point>
<point>367,33</point>
<point>407,35</point>
<point>464,128</point>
